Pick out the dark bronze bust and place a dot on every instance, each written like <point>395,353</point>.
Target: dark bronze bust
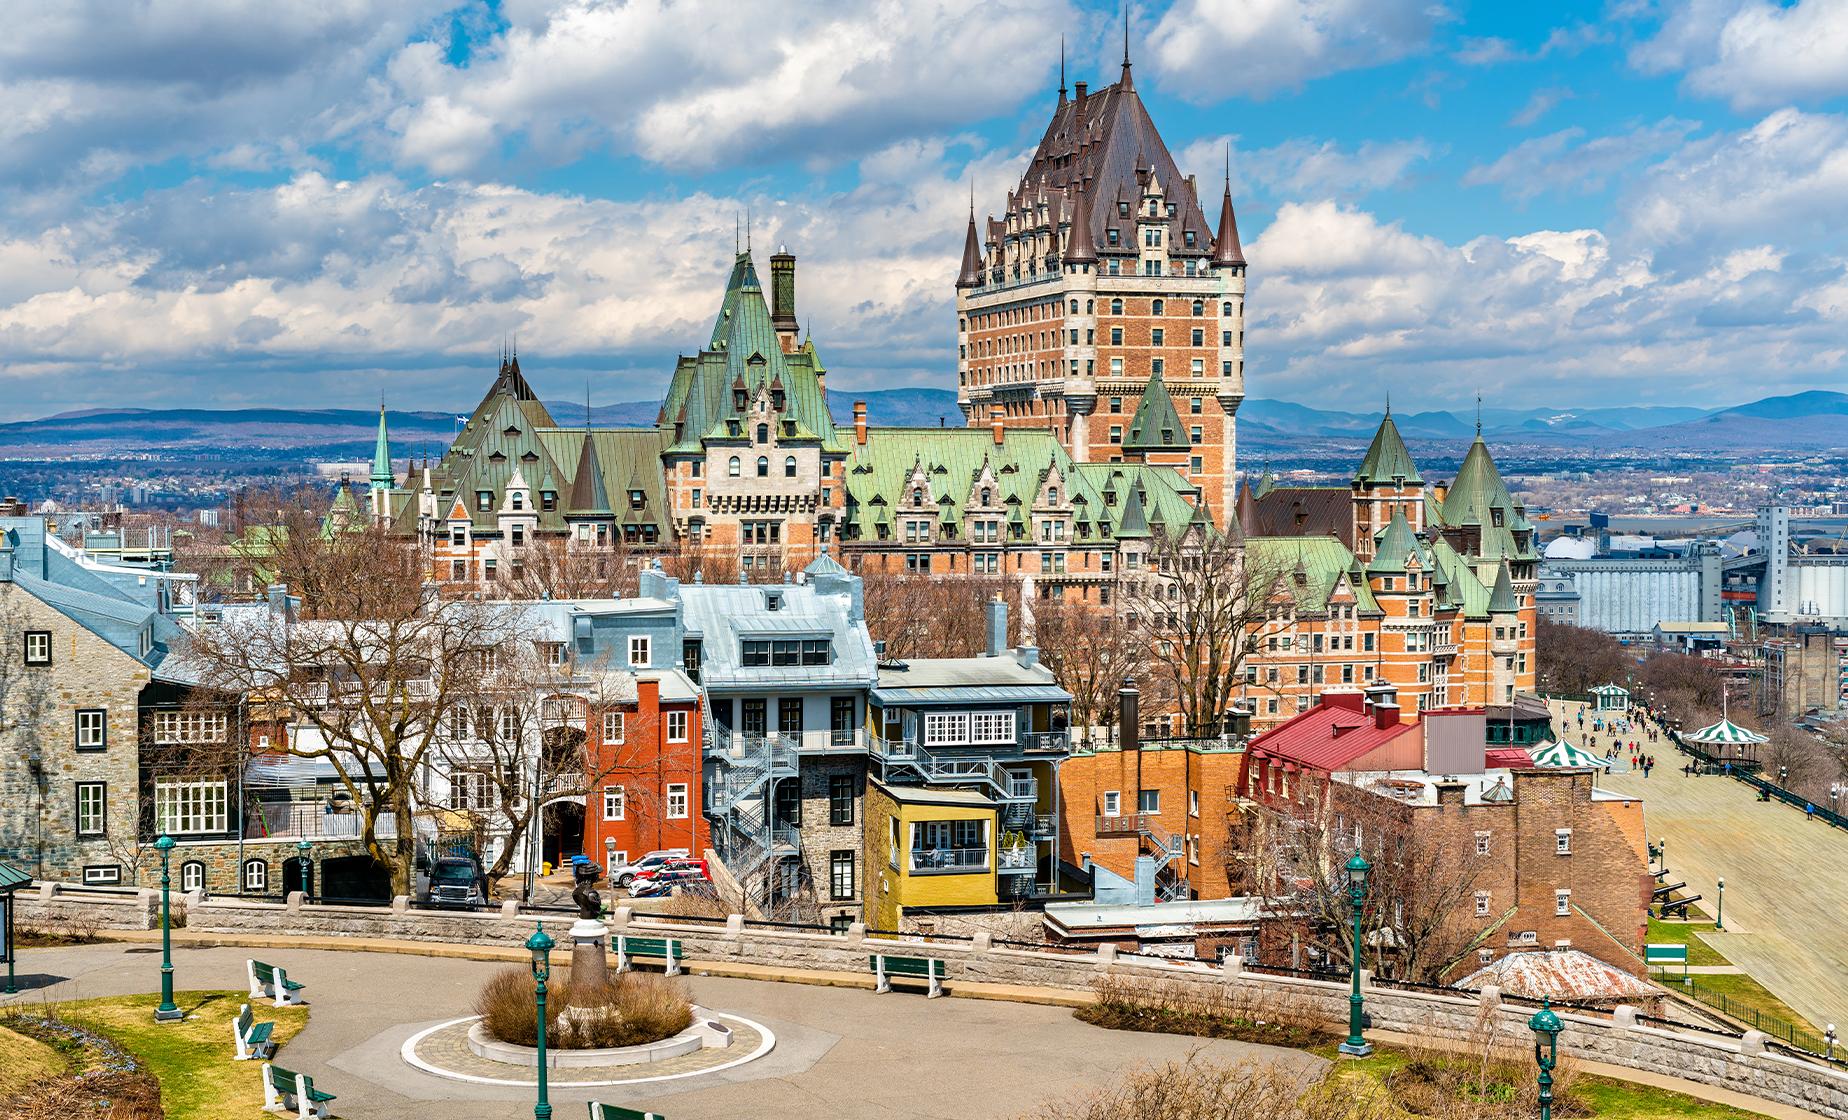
<point>589,901</point>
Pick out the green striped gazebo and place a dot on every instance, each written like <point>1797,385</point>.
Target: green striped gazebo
<point>1726,733</point>
<point>1610,698</point>
<point>1562,753</point>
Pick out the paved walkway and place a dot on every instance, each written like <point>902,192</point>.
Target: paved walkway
<point>840,1053</point>
<point>1786,908</point>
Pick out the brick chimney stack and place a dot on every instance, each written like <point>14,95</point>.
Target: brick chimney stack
<point>859,423</point>
<point>995,425</point>
<point>783,298</point>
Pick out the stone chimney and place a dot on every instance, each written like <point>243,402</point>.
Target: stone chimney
<point>859,423</point>
<point>783,298</point>
<point>995,424</point>
<point>995,611</point>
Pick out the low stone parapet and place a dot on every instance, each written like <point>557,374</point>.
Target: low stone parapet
<point>1744,1065</point>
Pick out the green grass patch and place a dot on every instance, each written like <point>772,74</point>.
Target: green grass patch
<point>192,1058</point>
<point>1691,934</point>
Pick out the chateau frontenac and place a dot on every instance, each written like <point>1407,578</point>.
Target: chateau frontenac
<point>1100,340</point>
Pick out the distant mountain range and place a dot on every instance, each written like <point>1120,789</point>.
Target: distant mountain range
<point>1814,420</point>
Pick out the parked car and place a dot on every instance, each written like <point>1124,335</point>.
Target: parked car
<point>663,882</point>
<point>457,881</point>
<point>624,874</point>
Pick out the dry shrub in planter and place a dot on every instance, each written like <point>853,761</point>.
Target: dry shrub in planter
<point>641,1007</point>
<point>1249,1013</point>
<point>1201,1090</point>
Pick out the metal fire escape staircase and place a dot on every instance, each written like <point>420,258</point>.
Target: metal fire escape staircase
<point>739,802</point>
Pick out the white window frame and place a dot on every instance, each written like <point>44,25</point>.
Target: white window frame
<point>91,800</point>
<point>1482,904</point>
<point>189,869</point>
<point>257,883</point>
<point>190,727</point>
<point>677,801</point>
<point>470,789</point>
<point>37,647</point>
<point>1113,803</point>
<point>102,875</point>
<point>1562,841</point>
<point>90,728</point>
<point>640,650</point>
<point>677,725</point>
<point>192,807</point>
<point>613,728</point>
<point>615,803</point>
<point>1482,842</point>
<point>983,727</point>
<point>1562,903</point>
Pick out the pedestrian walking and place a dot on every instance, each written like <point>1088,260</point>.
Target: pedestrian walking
<point>1809,811</point>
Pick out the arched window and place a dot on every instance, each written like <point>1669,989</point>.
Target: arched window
<point>917,495</point>
<point>789,466</point>
<point>1116,307</point>
<point>1199,307</point>
<point>192,875</point>
<point>985,496</point>
<point>519,501</point>
<point>256,877</point>
<point>1052,495</point>
<point>763,466</point>
<point>1225,308</point>
<point>763,433</point>
<point>732,468</point>
<point>1158,307</point>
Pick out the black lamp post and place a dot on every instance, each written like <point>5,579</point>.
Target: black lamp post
<point>540,946</point>
<point>1356,1046</point>
<point>168,1011</point>
<point>1546,1027</point>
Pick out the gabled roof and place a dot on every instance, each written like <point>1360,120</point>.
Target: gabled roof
<point>1324,563</point>
<point>1157,424</point>
<point>1329,735</point>
<point>1395,545</point>
<point>1387,460</point>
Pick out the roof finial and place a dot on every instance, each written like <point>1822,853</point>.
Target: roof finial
<point>747,229</point>
<point>587,404</point>
<point>1228,167</point>
<point>1126,34</point>
<point>1479,414</point>
<point>1389,404</point>
<point>737,232</point>
<point>1061,69</point>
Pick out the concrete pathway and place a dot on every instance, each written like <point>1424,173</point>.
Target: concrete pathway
<point>1786,909</point>
<point>840,1053</point>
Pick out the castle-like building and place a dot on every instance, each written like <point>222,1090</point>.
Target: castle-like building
<point>1100,340</point>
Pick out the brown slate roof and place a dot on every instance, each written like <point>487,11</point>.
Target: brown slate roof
<point>1297,511</point>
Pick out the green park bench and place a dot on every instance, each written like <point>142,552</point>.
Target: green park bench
<point>908,968</point>
<point>1663,955</point>
<point>284,1090</point>
<point>600,1111</point>
<point>252,1038</point>
<point>267,981</point>
<point>667,948</point>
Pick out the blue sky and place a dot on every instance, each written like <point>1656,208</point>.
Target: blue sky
<point>221,203</point>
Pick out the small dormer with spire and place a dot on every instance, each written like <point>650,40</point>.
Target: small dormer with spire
<point>1386,485</point>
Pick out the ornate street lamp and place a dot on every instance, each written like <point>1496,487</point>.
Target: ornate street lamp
<point>168,1011</point>
<point>1828,1036</point>
<point>305,849</point>
<point>1546,1027</point>
<point>1719,910</point>
<point>540,946</point>
<point>1356,1046</point>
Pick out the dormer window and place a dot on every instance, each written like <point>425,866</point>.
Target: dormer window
<point>637,499</point>
<point>1052,495</point>
<point>517,500</point>
<point>511,430</point>
<point>1123,209</point>
<point>1189,236</point>
<point>986,496</point>
<point>484,500</point>
<point>1112,236</point>
<point>763,433</point>
<point>776,399</point>
<point>738,401</point>
<point>1495,516</point>
<point>548,500</point>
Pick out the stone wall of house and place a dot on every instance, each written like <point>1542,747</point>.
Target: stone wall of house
<point>38,798</point>
<point>1743,1064</point>
<point>821,838</point>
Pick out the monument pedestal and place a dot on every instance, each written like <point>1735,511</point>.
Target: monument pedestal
<point>590,963</point>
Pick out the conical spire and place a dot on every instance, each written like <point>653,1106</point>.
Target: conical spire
<point>1061,69</point>
<point>1080,245</point>
<point>1501,600</point>
<point>381,456</point>
<point>1157,424</point>
<point>1387,459</point>
<point>1396,542</point>
<point>588,495</point>
<point>1227,252</point>
<point>1126,84</point>
<point>971,275</point>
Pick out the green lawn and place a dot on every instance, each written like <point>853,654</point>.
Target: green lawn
<point>191,1058</point>
<point>1601,1097</point>
<point>1691,934</point>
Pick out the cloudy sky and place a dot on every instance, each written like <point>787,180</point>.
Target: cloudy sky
<point>306,202</point>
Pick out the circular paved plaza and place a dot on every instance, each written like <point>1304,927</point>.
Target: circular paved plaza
<point>839,1052</point>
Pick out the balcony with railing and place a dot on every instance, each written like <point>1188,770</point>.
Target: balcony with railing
<point>1016,861</point>
<point>310,820</point>
<point>1122,824</point>
<point>949,861</point>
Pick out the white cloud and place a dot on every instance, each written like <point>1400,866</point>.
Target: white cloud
<point>1542,102</point>
<point>1752,53</point>
<point>1306,168</point>
<point>1565,161</point>
<point>1210,49</point>
<point>707,83</point>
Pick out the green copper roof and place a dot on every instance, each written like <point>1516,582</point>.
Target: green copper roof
<point>716,394</point>
<point>1156,425</point>
<point>1461,588</point>
<point>1501,600</point>
<point>1396,544</point>
<point>1325,566</point>
<point>381,457</point>
<point>1478,498</point>
<point>1387,459</point>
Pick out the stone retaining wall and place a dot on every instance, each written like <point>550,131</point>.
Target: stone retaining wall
<point>1743,1065</point>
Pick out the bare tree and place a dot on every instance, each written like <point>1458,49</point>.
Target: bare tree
<point>919,615</point>
<point>1090,651</point>
<point>1420,889</point>
<point>1197,611</point>
<point>1572,660</point>
<point>551,569</point>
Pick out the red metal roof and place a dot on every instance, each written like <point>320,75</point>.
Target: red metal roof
<point>1507,758</point>
<point>1328,736</point>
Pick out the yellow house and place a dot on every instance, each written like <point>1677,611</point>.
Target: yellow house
<point>927,848</point>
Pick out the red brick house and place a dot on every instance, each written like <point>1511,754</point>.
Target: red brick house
<point>644,761</point>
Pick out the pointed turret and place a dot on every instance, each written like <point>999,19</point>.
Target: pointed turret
<point>1156,425</point>
<point>971,275</point>
<point>1501,599</point>
<point>381,457</point>
<point>1387,460</point>
<point>1080,243</point>
<point>1395,544</point>
<point>588,497</point>
<point>1227,252</point>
